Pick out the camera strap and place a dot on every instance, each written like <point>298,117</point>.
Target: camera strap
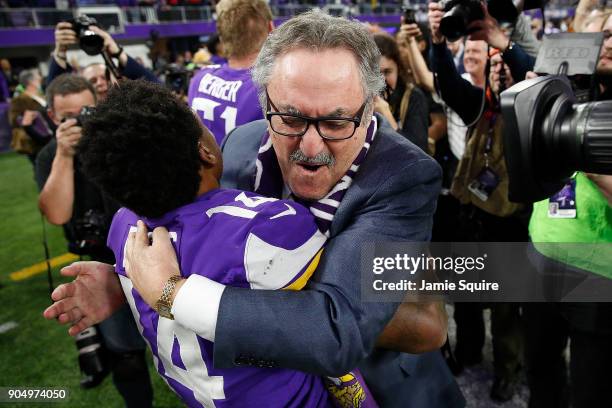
<point>110,65</point>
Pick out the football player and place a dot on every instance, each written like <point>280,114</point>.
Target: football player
<point>231,237</point>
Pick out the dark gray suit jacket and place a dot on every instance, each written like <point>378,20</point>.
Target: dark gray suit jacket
<point>326,329</point>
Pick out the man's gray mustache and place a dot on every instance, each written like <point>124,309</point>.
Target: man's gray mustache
<point>321,159</point>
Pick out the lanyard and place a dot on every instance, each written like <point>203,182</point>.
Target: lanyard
<point>489,142</point>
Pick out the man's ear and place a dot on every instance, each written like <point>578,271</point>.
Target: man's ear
<point>270,26</point>
<point>206,155</point>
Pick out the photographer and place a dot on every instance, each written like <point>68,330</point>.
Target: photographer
<point>403,104</point>
<point>97,74</point>
<point>68,198</point>
<point>31,127</point>
<point>459,94</point>
<point>481,185</point>
<point>587,326</point>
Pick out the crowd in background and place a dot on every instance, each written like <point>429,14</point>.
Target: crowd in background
<point>432,97</point>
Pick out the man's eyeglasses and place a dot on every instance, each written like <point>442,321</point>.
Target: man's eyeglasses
<point>329,127</point>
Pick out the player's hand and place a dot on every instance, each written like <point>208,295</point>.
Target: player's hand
<point>435,13</point>
<point>92,297</point>
<point>64,37</point>
<point>150,265</point>
<point>109,43</point>
<point>28,117</point>
<point>68,135</point>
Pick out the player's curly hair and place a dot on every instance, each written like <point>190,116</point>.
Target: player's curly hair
<point>141,148</point>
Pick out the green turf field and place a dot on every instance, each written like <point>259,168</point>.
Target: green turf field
<point>37,352</point>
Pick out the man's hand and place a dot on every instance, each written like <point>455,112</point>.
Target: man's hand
<point>149,266</point>
<point>64,37</point>
<point>488,30</point>
<point>416,327</point>
<point>68,135</point>
<point>407,33</point>
<point>109,43</point>
<point>92,297</point>
<point>28,117</point>
<point>382,106</point>
<point>434,15</point>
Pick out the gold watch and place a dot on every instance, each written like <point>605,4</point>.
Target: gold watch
<point>164,303</point>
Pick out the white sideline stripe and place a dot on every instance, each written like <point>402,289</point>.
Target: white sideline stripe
<point>4,327</point>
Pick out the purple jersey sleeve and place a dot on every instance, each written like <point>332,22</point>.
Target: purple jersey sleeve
<point>238,239</point>
<point>224,98</point>
<point>280,243</point>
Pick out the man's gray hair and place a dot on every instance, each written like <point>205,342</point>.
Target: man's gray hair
<point>317,30</point>
<point>26,76</point>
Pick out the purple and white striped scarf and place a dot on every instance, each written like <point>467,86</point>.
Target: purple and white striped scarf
<point>268,180</point>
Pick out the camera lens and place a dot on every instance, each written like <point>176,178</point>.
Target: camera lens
<point>454,23</point>
<point>459,14</point>
<point>92,357</point>
<point>547,136</point>
<point>91,43</point>
<point>581,133</point>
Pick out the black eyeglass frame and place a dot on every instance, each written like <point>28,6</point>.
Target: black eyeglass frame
<point>356,120</point>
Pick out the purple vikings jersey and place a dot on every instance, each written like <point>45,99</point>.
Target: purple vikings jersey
<point>224,98</point>
<point>238,239</point>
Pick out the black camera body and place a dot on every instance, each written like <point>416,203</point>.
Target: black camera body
<point>86,113</point>
<point>548,136</point>
<point>459,14</point>
<point>178,78</point>
<point>549,132</point>
<point>89,231</point>
<point>409,14</point>
<point>92,357</point>
<point>89,41</point>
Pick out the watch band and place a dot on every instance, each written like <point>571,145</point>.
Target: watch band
<point>118,53</point>
<point>164,303</point>
<point>60,57</point>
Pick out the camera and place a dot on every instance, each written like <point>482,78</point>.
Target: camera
<point>547,136</point>
<point>459,14</point>
<point>86,112</point>
<point>549,133</point>
<point>409,15</point>
<point>177,78</point>
<point>89,232</point>
<point>92,357</point>
<point>89,41</point>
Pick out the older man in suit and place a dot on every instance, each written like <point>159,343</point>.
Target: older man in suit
<point>322,146</point>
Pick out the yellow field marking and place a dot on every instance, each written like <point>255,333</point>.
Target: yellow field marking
<point>40,267</point>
